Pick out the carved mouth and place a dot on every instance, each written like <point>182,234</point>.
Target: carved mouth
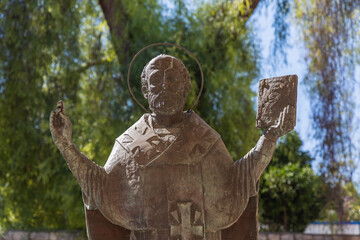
<point>165,102</point>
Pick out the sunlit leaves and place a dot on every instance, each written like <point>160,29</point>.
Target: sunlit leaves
<point>291,195</point>
<point>330,30</point>
<point>55,50</point>
<point>229,59</point>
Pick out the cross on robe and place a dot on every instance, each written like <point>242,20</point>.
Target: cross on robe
<point>185,229</point>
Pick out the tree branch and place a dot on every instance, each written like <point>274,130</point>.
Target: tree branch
<point>252,7</point>
<point>88,65</point>
<point>115,16</point>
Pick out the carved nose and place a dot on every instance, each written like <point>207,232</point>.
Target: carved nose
<point>164,83</point>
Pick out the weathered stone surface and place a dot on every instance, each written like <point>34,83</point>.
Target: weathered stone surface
<point>262,236</point>
<point>273,236</point>
<point>59,235</point>
<point>170,176</point>
<point>71,235</point>
<point>247,225</point>
<point>309,237</point>
<point>40,235</point>
<point>298,236</point>
<point>17,235</point>
<point>287,236</point>
<point>353,237</point>
<point>314,237</point>
<point>275,94</point>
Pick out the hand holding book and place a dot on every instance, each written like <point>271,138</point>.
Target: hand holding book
<point>277,105</point>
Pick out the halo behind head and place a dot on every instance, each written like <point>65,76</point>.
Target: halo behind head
<point>166,44</point>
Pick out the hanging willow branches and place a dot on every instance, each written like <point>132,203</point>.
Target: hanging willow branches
<point>330,30</point>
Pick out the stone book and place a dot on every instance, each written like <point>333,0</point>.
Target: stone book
<point>275,94</point>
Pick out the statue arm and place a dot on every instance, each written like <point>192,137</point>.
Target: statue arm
<point>261,154</point>
<point>90,176</point>
<point>248,169</point>
<point>254,162</point>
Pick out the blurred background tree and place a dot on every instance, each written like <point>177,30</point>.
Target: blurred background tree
<point>79,51</point>
<point>62,50</point>
<point>330,31</point>
<point>291,195</point>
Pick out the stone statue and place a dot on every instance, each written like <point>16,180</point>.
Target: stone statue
<point>169,176</point>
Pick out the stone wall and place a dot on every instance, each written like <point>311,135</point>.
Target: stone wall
<point>66,235</point>
<point>58,235</point>
<point>301,236</point>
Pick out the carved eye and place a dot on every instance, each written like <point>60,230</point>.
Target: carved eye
<point>156,80</point>
<point>172,79</point>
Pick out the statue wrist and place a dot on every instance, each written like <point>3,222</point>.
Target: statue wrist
<point>64,145</point>
<point>270,137</point>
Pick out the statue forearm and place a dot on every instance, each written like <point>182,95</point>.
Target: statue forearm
<point>90,176</point>
<point>262,153</point>
<point>248,169</point>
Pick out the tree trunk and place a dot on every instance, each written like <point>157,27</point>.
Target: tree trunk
<point>116,19</point>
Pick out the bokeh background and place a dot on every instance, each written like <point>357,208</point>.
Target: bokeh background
<point>79,51</point>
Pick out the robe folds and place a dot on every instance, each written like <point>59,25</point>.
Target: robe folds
<point>180,187</point>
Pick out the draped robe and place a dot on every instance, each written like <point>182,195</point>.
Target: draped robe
<point>155,186</point>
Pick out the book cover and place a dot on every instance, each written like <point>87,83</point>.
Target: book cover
<point>275,94</point>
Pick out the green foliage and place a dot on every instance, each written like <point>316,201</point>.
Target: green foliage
<point>228,55</point>
<point>330,30</point>
<point>37,66</point>
<point>290,194</point>
<point>351,203</point>
<point>351,206</point>
<point>55,50</point>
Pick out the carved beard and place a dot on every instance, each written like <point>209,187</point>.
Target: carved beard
<point>166,103</point>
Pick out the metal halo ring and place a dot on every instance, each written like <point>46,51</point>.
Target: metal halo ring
<point>166,44</point>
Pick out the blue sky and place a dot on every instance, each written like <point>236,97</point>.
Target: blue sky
<point>261,21</point>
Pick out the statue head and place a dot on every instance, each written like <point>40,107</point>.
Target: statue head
<point>165,84</point>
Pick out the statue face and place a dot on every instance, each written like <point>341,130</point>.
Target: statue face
<point>165,90</point>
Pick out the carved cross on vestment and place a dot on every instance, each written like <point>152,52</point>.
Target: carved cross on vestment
<point>185,229</point>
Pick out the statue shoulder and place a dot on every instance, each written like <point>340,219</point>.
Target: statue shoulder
<point>120,153</point>
<point>200,137</point>
<point>200,128</point>
<point>140,127</point>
